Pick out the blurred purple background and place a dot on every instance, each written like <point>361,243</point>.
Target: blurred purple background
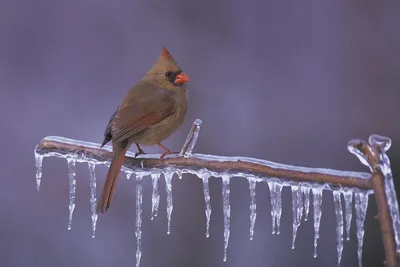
<point>287,81</point>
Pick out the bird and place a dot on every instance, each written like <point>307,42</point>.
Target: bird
<point>151,111</point>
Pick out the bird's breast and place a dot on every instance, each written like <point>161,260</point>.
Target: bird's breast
<point>162,130</point>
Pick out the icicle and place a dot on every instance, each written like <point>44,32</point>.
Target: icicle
<point>168,186</point>
<point>93,201</point>
<point>317,203</point>
<point>306,193</point>
<point>348,200</point>
<point>275,187</point>
<point>72,188</point>
<point>297,206</point>
<point>226,210</point>
<point>138,230</point>
<point>179,173</point>
<point>38,164</point>
<point>253,205</point>
<point>339,223</point>
<point>191,139</point>
<point>128,174</point>
<point>155,197</point>
<point>205,175</point>
<point>361,205</point>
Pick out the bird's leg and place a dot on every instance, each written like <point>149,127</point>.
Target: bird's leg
<point>140,151</point>
<point>167,151</point>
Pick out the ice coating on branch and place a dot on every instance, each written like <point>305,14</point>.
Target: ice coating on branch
<point>352,146</point>
<point>253,205</point>
<point>168,173</point>
<point>90,145</point>
<point>191,139</point>
<point>297,207</point>
<point>138,230</point>
<point>306,192</point>
<point>155,197</point>
<point>226,209</point>
<point>93,200</point>
<point>275,188</point>
<point>384,143</point>
<point>348,201</point>
<point>361,205</point>
<point>204,175</point>
<point>72,189</point>
<point>384,163</point>
<point>38,164</point>
<point>317,205</point>
<point>339,224</point>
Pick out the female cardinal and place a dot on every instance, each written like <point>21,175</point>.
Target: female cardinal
<point>149,113</point>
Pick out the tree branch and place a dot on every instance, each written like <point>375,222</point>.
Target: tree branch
<point>372,155</point>
<point>188,162</point>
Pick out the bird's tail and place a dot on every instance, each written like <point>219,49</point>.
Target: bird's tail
<point>111,181</point>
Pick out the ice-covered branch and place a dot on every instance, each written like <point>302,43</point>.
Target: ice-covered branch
<point>302,180</point>
<point>373,155</point>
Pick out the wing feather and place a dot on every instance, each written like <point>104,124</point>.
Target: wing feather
<point>135,115</point>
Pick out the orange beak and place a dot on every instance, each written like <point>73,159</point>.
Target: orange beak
<point>181,78</point>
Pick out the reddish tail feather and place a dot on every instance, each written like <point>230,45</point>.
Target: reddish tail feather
<point>111,181</point>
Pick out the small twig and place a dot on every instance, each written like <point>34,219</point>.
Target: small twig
<point>385,219</point>
<point>371,156</point>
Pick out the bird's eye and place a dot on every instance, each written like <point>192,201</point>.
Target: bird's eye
<point>167,73</point>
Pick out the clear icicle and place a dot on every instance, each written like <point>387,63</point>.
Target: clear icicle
<point>317,203</point>
<point>297,206</point>
<point>72,188</point>
<point>339,223</point>
<point>226,210</point>
<point>38,164</point>
<point>306,193</point>
<point>361,205</point>
<point>168,186</point>
<point>275,187</point>
<point>191,139</point>
<point>179,173</point>
<point>138,230</point>
<point>348,201</point>
<point>205,175</point>
<point>155,197</point>
<point>93,201</point>
<point>253,205</point>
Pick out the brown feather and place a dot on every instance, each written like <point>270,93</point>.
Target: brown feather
<point>111,180</point>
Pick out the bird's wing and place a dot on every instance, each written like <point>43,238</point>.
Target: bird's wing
<point>140,110</point>
<point>107,132</point>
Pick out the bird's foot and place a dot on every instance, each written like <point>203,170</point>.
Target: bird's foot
<point>140,151</point>
<point>167,151</point>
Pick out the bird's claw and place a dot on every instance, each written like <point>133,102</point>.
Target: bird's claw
<point>140,152</point>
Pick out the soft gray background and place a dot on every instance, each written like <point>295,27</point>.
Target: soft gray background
<point>288,81</point>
